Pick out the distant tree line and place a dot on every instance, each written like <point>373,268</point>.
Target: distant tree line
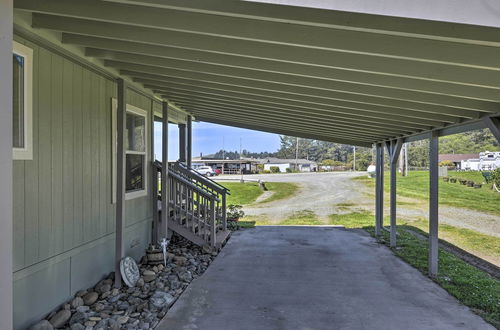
<point>335,154</point>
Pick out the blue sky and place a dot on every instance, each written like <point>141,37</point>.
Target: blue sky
<point>207,138</point>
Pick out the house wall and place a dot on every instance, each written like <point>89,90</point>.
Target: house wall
<point>64,219</point>
<point>283,167</point>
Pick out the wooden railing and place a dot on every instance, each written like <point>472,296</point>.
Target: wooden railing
<point>197,205</point>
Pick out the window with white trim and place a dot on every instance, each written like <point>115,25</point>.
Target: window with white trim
<point>136,152</point>
<point>22,135</point>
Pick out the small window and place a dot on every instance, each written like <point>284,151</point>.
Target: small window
<point>22,60</point>
<point>136,152</point>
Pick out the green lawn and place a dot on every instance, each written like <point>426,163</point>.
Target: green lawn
<point>416,185</point>
<point>242,193</point>
<point>246,193</point>
<point>281,190</point>
<point>304,217</point>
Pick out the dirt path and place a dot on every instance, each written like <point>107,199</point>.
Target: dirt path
<point>319,192</point>
<point>328,193</point>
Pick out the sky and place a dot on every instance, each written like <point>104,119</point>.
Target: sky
<point>209,138</point>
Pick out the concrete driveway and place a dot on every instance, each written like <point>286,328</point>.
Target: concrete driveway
<point>314,278</point>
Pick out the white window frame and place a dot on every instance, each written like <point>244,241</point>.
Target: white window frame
<point>26,153</point>
<point>142,113</point>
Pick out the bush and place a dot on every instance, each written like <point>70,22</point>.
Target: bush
<point>274,169</point>
<point>447,163</point>
<point>288,170</point>
<point>266,171</point>
<point>234,212</point>
<point>495,178</point>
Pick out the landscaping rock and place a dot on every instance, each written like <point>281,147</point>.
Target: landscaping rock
<point>60,318</point>
<point>90,298</point>
<point>161,299</point>
<point>42,325</point>
<point>78,317</point>
<point>179,260</point>
<point>141,307</point>
<point>77,302</point>
<point>77,326</point>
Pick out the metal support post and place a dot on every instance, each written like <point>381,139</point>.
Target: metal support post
<point>433,203</point>
<point>121,115</point>
<point>394,148</point>
<point>182,143</point>
<point>164,172</point>
<point>189,142</point>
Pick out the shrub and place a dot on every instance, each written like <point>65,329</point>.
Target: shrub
<point>274,169</point>
<point>288,170</point>
<point>447,163</point>
<point>266,171</point>
<point>495,178</point>
<point>234,212</point>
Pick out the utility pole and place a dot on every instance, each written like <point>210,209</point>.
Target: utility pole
<point>354,159</point>
<point>241,171</point>
<point>297,154</point>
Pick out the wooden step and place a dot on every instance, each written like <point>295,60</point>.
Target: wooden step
<point>186,233</point>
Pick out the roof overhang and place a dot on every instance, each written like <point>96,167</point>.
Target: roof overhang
<point>345,77</point>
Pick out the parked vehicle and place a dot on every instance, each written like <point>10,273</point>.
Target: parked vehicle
<point>206,170</point>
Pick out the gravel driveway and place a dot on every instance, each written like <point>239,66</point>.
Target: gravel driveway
<point>335,192</point>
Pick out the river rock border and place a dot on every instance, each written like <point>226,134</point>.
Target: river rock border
<point>140,307</point>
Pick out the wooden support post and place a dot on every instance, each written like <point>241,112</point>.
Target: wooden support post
<point>189,142</point>
<point>394,148</point>
<point>182,143</point>
<point>121,115</point>
<point>6,199</point>
<point>164,173</point>
<point>493,123</point>
<point>433,203</point>
<point>379,170</point>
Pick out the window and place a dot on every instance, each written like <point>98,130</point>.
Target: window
<point>136,152</point>
<point>22,60</point>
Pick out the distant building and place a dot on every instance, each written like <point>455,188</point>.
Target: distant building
<point>457,159</point>
<point>227,166</point>
<point>301,165</point>
<point>487,161</point>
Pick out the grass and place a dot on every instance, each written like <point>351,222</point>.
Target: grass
<point>248,192</point>
<point>416,185</point>
<point>242,193</point>
<point>281,190</point>
<point>304,217</point>
<point>358,219</point>
<point>484,246</point>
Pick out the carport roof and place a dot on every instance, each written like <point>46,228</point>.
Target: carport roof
<point>340,76</point>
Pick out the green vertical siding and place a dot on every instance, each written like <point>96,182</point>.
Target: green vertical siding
<point>63,196</point>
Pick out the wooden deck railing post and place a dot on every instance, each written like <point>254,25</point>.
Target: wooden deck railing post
<point>224,212</point>
<point>213,223</point>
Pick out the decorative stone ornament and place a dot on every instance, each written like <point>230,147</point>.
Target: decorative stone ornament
<point>130,271</point>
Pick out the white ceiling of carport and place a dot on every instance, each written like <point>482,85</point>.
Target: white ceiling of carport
<point>345,77</point>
